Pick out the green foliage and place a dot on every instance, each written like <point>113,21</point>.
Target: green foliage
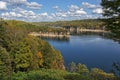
<point>89,24</point>
<point>52,58</point>
<point>47,75</point>
<point>33,44</point>
<point>5,64</point>
<point>76,76</point>
<point>81,72</point>
<point>72,67</point>
<point>99,74</point>
<point>82,69</point>
<point>54,74</point>
<point>112,12</point>
<point>28,52</point>
<point>19,76</point>
<point>41,74</point>
<point>22,57</point>
<point>27,55</point>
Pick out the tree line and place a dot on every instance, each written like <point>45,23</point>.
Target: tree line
<point>85,24</point>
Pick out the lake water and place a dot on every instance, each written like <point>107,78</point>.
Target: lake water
<point>91,50</point>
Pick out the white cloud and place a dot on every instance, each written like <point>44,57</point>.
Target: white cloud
<point>53,15</point>
<point>44,14</point>
<point>18,3</point>
<point>10,15</point>
<point>57,8</point>
<point>77,12</point>
<point>73,7</point>
<point>61,14</point>
<point>24,10</point>
<point>73,12</point>
<point>80,12</point>
<point>5,14</point>
<point>34,5</point>
<point>98,11</point>
<point>26,15</point>
<point>88,5</point>
<point>3,5</point>
<point>13,14</point>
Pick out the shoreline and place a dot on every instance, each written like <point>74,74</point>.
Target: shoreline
<point>48,34</point>
<point>92,30</point>
<point>67,34</point>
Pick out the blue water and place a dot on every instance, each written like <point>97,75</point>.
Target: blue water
<point>92,50</point>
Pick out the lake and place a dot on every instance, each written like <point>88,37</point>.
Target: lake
<point>91,50</point>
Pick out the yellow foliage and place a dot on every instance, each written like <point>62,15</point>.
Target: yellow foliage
<point>39,55</point>
<point>54,64</point>
<point>40,59</point>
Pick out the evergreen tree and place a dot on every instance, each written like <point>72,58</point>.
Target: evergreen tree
<point>111,10</point>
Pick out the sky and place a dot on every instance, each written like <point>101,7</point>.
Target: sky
<point>50,10</point>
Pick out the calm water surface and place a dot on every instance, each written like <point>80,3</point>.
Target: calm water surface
<point>92,50</point>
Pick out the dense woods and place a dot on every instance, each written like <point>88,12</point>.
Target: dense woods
<point>22,52</point>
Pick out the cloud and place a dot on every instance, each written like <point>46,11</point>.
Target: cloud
<point>61,14</point>
<point>80,12</point>
<point>34,5</point>
<point>98,11</point>
<point>57,8</point>
<point>11,15</point>
<point>44,14</point>
<point>26,15</point>
<point>88,5</point>
<point>3,5</point>
<point>72,11</point>
<point>25,3</point>
<point>16,2</point>
<point>73,7</point>
<point>26,10</point>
